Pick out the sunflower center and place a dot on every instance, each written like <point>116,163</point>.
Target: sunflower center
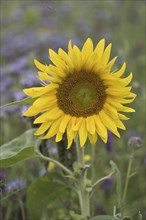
<point>81,94</point>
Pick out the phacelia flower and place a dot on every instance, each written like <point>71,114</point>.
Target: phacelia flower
<point>80,94</point>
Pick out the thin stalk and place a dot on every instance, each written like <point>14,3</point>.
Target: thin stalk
<point>102,179</point>
<point>93,161</point>
<point>55,162</point>
<point>83,194</point>
<point>127,178</point>
<point>22,209</point>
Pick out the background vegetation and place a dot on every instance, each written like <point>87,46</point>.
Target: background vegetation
<point>28,30</point>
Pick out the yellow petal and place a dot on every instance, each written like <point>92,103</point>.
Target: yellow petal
<point>92,138</point>
<point>124,101</point>
<point>106,54</point>
<point>121,71</point>
<point>31,111</point>
<point>70,135</point>
<point>119,106</point>
<point>92,63</point>
<point>41,66</point>
<point>70,49</point>
<point>45,100</point>
<point>99,49</point>
<point>44,127</point>
<point>43,76</point>
<point>70,139</point>
<point>119,124</point>
<point>53,129</point>
<point>82,133</point>
<point>64,123</point>
<point>66,58</point>
<point>113,103</point>
<point>38,91</point>
<point>127,80</point>
<point>118,91</point>
<point>131,95</point>
<point>73,121</point>
<point>126,109</point>
<point>56,71</point>
<point>49,116</point>
<point>90,125</point>
<point>100,128</point>
<point>77,125</point>
<point>55,58</point>
<point>59,136</point>
<point>110,64</point>
<point>123,117</point>
<point>111,110</point>
<point>76,58</point>
<point>87,50</point>
<point>107,121</point>
<point>111,81</point>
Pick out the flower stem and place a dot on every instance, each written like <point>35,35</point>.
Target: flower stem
<point>102,179</point>
<point>127,178</point>
<point>93,153</point>
<point>55,162</point>
<point>82,192</point>
<point>22,208</point>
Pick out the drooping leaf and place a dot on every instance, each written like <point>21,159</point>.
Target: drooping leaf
<point>42,194</point>
<point>19,149</point>
<point>127,218</point>
<point>103,217</point>
<point>25,101</point>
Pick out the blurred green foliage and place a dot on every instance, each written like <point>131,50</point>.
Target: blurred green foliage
<point>28,30</point>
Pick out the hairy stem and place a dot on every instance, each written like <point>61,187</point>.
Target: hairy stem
<point>83,194</point>
<point>55,162</point>
<point>127,178</point>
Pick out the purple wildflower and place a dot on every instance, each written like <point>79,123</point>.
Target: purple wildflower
<point>42,172</point>
<point>135,142</point>
<point>100,209</point>
<point>106,185</point>
<point>15,185</point>
<point>108,145</point>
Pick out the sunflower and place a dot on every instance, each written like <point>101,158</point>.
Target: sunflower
<point>80,95</point>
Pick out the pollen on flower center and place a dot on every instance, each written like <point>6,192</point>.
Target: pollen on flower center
<point>81,94</point>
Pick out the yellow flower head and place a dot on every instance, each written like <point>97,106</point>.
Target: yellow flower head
<point>82,95</point>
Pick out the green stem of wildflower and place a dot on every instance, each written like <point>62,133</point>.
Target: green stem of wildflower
<point>127,178</point>
<point>118,185</point>
<point>102,179</point>
<point>82,192</point>
<point>22,208</point>
<point>93,162</point>
<point>55,162</point>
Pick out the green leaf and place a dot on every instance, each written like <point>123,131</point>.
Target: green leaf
<point>103,217</point>
<point>25,101</point>
<point>43,194</point>
<point>127,218</point>
<point>19,149</point>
